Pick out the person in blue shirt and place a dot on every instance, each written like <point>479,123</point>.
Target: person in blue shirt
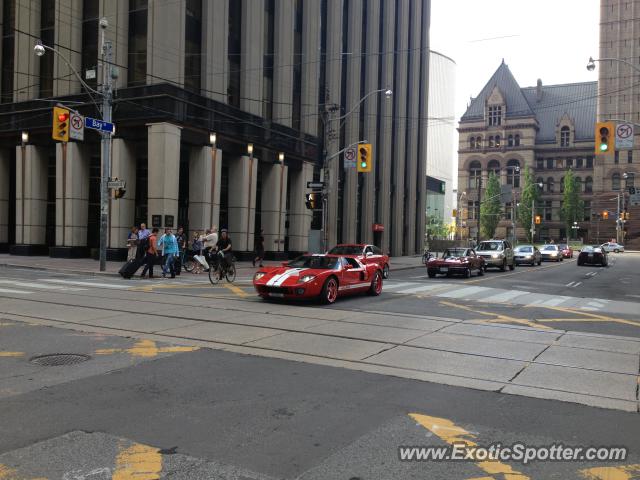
<point>170,245</point>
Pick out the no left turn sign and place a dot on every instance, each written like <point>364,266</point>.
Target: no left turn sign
<point>624,136</point>
<point>76,123</point>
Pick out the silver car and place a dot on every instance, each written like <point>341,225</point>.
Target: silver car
<point>612,247</point>
<point>552,253</point>
<point>528,254</point>
<point>497,253</point>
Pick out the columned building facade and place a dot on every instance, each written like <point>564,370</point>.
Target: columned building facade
<point>197,83</point>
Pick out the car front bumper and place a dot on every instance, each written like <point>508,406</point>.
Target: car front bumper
<point>519,260</point>
<point>493,262</point>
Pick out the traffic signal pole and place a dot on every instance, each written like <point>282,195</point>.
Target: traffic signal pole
<point>107,102</point>
<point>533,218</point>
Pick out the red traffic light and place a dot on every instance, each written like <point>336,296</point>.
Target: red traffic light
<point>63,117</point>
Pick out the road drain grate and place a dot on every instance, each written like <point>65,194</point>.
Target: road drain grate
<point>59,359</point>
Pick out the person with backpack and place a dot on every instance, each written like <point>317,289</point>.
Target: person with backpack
<point>169,246</point>
<point>151,253</point>
<point>143,241</point>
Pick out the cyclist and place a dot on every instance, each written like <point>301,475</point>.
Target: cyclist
<point>224,246</point>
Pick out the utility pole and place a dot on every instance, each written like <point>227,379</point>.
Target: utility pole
<point>107,102</point>
<point>618,222</point>
<point>533,218</point>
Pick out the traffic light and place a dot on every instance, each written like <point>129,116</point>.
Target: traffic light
<point>605,215</point>
<point>625,215</point>
<point>454,214</point>
<point>538,219</point>
<point>119,192</point>
<point>60,130</point>
<point>364,158</point>
<point>604,138</point>
<point>311,200</point>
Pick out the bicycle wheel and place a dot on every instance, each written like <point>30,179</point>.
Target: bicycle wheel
<point>214,275</point>
<point>231,273</point>
<point>189,264</point>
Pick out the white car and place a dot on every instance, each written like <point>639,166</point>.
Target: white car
<point>612,247</point>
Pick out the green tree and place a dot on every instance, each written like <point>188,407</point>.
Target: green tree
<point>530,194</point>
<point>572,209</point>
<point>490,208</point>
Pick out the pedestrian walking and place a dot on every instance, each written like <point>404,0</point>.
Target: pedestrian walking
<point>258,248</point>
<point>197,247</point>
<point>150,254</point>
<point>143,241</point>
<point>169,246</point>
<point>132,243</point>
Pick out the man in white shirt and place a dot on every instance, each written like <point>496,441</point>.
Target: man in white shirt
<point>211,238</point>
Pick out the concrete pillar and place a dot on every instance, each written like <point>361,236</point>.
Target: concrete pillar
<point>215,28</point>
<point>31,195</point>
<point>423,128</point>
<point>299,215</point>
<point>284,61</point>
<point>383,213</point>
<point>165,41</point>
<point>371,118</point>
<point>274,206</point>
<point>252,47</point>
<point>164,171</point>
<point>117,12</point>
<point>400,129</point>
<point>205,171</point>
<point>5,159</point>
<point>68,40</point>
<point>72,200</point>
<point>352,122</point>
<point>26,71</point>
<point>123,210</point>
<point>311,13</point>
<point>333,84</point>
<point>413,120</point>
<point>243,175</point>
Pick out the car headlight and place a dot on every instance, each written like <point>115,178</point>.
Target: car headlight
<point>259,275</point>
<point>528,256</point>
<point>496,255</point>
<point>306,278</point>
<point>554,254</point>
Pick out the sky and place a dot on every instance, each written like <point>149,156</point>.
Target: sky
<point>550,40</point>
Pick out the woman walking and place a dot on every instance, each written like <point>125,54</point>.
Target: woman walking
<point>132,243</point>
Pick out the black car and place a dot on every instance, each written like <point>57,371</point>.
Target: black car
<point>593,255</point>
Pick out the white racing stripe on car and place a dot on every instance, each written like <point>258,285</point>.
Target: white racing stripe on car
<point>278,280</point>
<point>355,285</point>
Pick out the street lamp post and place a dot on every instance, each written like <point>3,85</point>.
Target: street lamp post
<point>214,151</point>
<point>464,193</point>
<point>250,152</point>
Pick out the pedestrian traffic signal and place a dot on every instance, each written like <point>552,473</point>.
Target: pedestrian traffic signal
<point>604,138</point>
<point>60,130</point>
<point>364,158</point>
<point>538,219</point>
<point>605,215</point>
<point>311,200</point>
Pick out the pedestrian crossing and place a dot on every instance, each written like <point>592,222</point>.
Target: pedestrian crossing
<point>20,287</point>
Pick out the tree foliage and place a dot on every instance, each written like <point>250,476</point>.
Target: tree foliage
<point>490,208</point>
<point>572,209</point>
<point>530,193</point>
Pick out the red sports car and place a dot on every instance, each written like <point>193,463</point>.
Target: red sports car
<point>318,276</point>
<point>365,253</point>
<point>567,251</point>
<point>456,261</point>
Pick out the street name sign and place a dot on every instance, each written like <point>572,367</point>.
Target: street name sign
<point>95,124</point>
<point>76,126</point>
<point>624,136</point>
<point>113,184</point>
<point>315,184</point>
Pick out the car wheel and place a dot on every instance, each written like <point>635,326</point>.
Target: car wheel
<point>539,262</point>
<point>376,284</point>
<point>503,267</point>
<point>512,266</point>
<point>617,250</point>
<point>467,273</point>
<point>329,291</point>
<point>385,271</point>
<point>431,273</point>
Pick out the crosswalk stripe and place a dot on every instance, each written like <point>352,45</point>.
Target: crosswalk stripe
<point>463,292</point>
<point>422,288</point>
<point>37,285</point>
<point>554,302</point>
<point>86,284</point>
<point>505,296</point>
<point>395,286</point>
<point>20,292</point>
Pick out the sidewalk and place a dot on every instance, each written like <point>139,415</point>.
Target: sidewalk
<point>88,266</point>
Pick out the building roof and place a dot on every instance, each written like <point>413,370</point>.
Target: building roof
<point>577,100</point>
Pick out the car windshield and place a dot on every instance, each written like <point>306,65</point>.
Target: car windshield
<point>525,249</point>
<point>550,248</point>
<point>490,246</point>
<point>563,246</point>
<point>588,248</point>
<point>454,252</point>
<point>314,261</point>
<point>346,250</point>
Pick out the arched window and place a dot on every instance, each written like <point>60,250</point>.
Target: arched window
<point>615,181</point>
<point>472,142</point>
<point>513,173</point>
<point>630,180</point>
<point>510,141</point>
<point>561,184</point>
<point>565,135</point>
<point>516,140</point>
<point>550,184</point>
<point>491,144</point>
<point>578,182</point>
<point>494,166</point>
<point>475,171</point>
<point>497,141</point>
<point>588,185</point>
<point>478,142</point>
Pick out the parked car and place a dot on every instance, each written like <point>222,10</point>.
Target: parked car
<point>566,250</point>
<point>593,255</point>
<point>528,254</point>
<point>612,247</point>
<point>497,253</point>
<point>323,277</point>
<point>460,261</point>
<point>365,253</point>
<point>551,253</point>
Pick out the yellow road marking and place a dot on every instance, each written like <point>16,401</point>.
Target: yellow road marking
<point>627,472</point>
<point>138,462</point>
<point>11,354</point>
<point>499,318</point>
<point>145,348</point>
<point>237,290</point>
<point>452,434</point>
<point>594,317</point>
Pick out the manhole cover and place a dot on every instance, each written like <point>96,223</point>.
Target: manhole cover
<point>59,359</point>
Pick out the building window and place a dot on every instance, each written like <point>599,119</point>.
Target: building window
<point>513,173</point>
<point>587,210</point>
<point>494,166</point>
<point>565,136</point>
<point>578,183</point>
<point>616,157</point>
<point>8,43</point>
<point>539,164</point>
<point>550,163</point>
<point>540,180</point>
<point>548,210</point>
<point>516,140</point>
<point>569,162</point>
<point>550,185</point>
<point>630,156</point>
<point>268,59</point>
<point>234,53</point>
<point>497,141</point>
<point>630,180</point>
<point>491,144</point>
<point>475,172</point>
<point>193,46</point>
<point>561,184</point>
<point>47,26</point>
<point>90,40</point>
<point>590,162</point>
<point>495,116</point>
<point>478,142</point>
<point>615,181</point>
<point>579,162</point>
<point>510,141</point>
<point>472,143</point>
<point>137,56</point>
<point>588,185</point>
<point>508,208</point>
<point>297,66</point>
<point>559,163</point>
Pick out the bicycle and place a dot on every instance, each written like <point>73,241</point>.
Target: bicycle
<point>426,256</point>
<point>217,270</point>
